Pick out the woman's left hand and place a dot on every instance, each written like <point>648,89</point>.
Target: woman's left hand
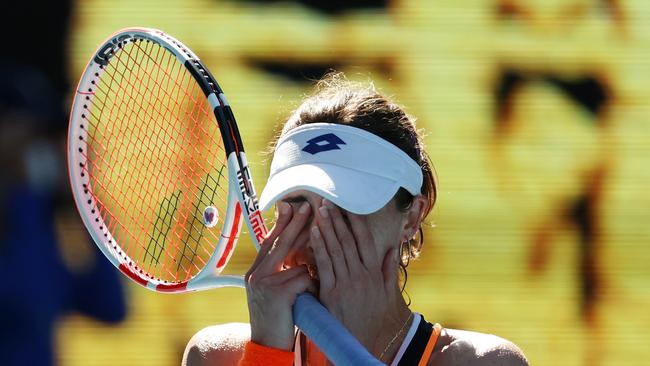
<point>356,285</point>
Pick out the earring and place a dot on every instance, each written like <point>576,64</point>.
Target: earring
<point>405,246</point>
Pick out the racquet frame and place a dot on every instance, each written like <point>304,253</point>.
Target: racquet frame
<point>242,201</point>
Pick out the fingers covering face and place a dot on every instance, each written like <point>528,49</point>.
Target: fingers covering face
<point>323,262</point>
<point>342,244</point>
<point>364,239</point>
<point>332,243</point>
<point>347,240</point>
<point>280,239</point>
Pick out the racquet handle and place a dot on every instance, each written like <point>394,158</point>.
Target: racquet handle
<point>328,334</point>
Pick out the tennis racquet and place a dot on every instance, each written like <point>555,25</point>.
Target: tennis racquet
<point>160,177</point>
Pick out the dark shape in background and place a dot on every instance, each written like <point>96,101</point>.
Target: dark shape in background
<point>592,94</point>
<point>38,287</point>
<point>333,7</point>
<point>292,71</point>
<point>514,11</point>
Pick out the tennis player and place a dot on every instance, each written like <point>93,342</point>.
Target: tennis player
<point>351,184</point>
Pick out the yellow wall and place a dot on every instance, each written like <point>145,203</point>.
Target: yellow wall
<point>504,258</point>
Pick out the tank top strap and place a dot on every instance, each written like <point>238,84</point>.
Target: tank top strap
<point>431,344</point>
<point>416,348</point>
<point>298,349</point>
<point>421,345</point>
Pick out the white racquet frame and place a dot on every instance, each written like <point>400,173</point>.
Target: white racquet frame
<point>241,192</point>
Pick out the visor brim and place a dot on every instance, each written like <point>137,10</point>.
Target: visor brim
<point>358,192</point>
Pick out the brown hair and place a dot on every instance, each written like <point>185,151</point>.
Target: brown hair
<point>338,100</point>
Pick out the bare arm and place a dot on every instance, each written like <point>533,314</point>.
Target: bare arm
<point>477,349</point>
<point>217,345</point>
<point>507,354</point>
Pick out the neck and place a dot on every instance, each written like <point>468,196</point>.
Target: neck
<point>397,321</point>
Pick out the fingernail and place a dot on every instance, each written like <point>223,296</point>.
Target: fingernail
<point>327,203</point>
<point>283,207</point>
<point>304,208</point>
<point>323,211</point>
<point>315,232</point>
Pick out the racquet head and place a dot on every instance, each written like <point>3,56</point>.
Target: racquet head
<point>156,164</point>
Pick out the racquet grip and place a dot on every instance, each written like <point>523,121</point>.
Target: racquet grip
<point>328,334</point>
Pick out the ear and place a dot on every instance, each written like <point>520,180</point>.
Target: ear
<point>413,217</point>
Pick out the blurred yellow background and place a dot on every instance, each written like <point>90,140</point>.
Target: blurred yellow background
<point>537,117</point>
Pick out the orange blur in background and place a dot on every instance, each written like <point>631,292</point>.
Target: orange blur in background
<point>537,115</point>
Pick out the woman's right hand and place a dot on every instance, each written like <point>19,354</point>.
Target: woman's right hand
<point>272,291</point>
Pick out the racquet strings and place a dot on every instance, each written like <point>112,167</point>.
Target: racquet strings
<point>155,161</point>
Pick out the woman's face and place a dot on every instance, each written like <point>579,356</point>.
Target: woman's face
<point>385,225</point>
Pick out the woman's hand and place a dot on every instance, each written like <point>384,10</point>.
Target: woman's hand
<point>356,285</point>
<point>272,291</point>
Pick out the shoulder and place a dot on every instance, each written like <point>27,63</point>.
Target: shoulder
<point>461,347</point>
<point>217,345</point>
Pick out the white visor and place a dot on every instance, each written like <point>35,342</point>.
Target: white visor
<point>355,169</point>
